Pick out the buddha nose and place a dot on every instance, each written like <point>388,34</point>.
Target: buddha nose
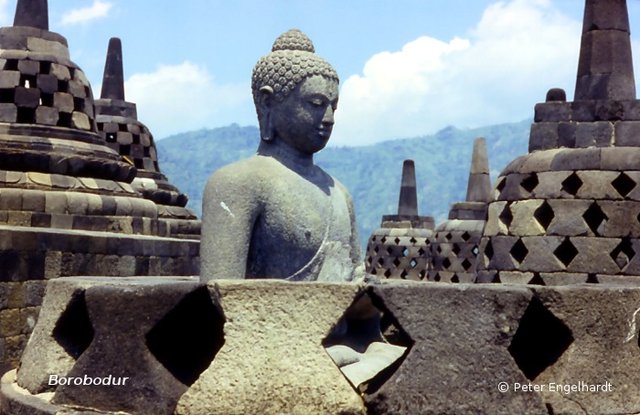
<point>327,118</point>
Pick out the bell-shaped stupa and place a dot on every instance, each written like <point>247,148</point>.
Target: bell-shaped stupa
<point>569,211</point>
<point>117,123</point>
<point>401,247</point>
<point>455,246</point>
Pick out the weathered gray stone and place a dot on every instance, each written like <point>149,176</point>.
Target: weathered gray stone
<point>279,319</point>
<point>627,133</point>
<point>543,135</point>
<point>308,234</point>
<point>594,134</point>
<point>552,112</point>
<point>427,382</point>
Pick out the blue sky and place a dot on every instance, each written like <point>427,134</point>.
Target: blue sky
<point>407,67</point>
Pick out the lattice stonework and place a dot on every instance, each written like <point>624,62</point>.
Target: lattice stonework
<point>455,251</point>
<point>559,226</point>
<point>399,253</point>
<point>45,90</point>
<point>131,139</point>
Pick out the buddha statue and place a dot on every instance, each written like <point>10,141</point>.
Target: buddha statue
<point>277,214</point>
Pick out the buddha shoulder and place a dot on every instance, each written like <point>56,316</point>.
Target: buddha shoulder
<point>246,174</point>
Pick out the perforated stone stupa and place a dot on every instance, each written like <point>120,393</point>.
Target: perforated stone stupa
<point>117,123</point>
<point>401,247</point>
<point>455,246</point>
<point>66,203</point>
<point>569,211</point>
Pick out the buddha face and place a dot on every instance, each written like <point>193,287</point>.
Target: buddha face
<point>304,119</point>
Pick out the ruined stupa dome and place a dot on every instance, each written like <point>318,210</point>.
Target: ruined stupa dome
<point>291,60</point>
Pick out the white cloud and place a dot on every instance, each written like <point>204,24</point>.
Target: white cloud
<point>97,10</point>
<point>518,50</point>
<point>5,17</point>
<point>184,97</point>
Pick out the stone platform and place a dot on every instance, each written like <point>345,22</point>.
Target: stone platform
<point>263,346</point>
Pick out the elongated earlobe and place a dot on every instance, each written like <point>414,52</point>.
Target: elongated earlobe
<point>266,126</point>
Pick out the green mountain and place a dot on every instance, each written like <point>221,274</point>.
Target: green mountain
<point>371,173</point>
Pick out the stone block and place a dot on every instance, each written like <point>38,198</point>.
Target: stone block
<point>76,88</point>
<point>524,221</point>
<point>442,376</point>
<point>502,259</point>
<point>80,120</point>
<point>540,256</point>
<point>29,67</point>
<point>27,97</point>
<point>61,72</point>
<point>593,255</point>
<point>9,79</point>
<point>596,184</point>
<point>10,324</point>
<point>48,84</point>
<point>567,134</point>
<point>568,217</point>
<point>563,278</point>
<point>610,110</point>
<point>594,134</point>
<point>47,116</point>
<point>552,112</point>
<point>284,320</point>
<point>627,133</point>
<point>540,161</point>
<point>8,113</point>
<point>577,159</point>
<point>622,219</point>
<point>583,110</point>
<point>55,202</point>
<point>38,44</point>
<point>543,136</point>
<point>620,158</point>
<point>63,102</point>
<point>602,345</point>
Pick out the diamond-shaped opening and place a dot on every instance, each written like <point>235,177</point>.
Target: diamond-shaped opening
<point>455,278</point>
<point>404,274</point>
<point>384,239</point>
<point>381,261</point>
<point>536,280</point>
<point>566,252</point>
<point>439,249</point>
<point>530,182</point>
<point>519,251</point>
<point>189,336</point>
<point>367,343</point>
<point>376,249</point>
<point>501,184</point>
<point>413,240</point>
<point>422,274</point>
<point>475,250</point>
<point>456,249</point>
<point>572,184</point>
<point>73,330</point>
<point>396,262</point>
<point>594,216</point>
<point>437,277</point>
<point>369,260</point>
<point>506,216</point>
<point>623,253</point>
<point>397,241</point>
<point>592,279</point>
<point>540,340</point>
<point>623,184</point>
<point>466,264</point>
<point>390,250</point>
<point>413,263</point>
<point>448,236</point>
<point>446,263</point>
<point>544,215</point>
<point>387,273</point>
<point>405,252</point>
<point>465,236</point>
<point>421,251</point>
<point>488,250</point>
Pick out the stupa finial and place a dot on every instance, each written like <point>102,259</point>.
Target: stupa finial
<point>479,185</point>
<point>605,69</point>
<point>32,13</point>
<point>113,79</point>
<point>408,202</point>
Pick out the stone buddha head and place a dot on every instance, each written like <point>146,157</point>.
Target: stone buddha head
<point>296,94</point>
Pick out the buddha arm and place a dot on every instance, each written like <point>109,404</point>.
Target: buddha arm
<point>229,210</point>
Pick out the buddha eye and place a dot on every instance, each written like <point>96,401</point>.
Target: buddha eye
<point>316,102</point>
